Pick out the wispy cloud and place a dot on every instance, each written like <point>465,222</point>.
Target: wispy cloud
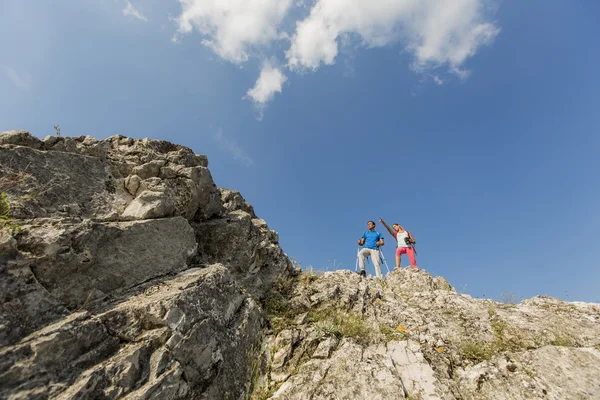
<point>232,147</point>
<point>21,81</point>
<point>131,11</point>
<point>269,82</point>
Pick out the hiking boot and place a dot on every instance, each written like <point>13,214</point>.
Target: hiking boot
<point>363,273</point>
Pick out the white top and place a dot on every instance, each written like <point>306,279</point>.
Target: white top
<point>400,238</point>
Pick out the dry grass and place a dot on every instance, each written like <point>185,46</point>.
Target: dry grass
<point>6,220</point>
<point>342,324</point>
<point>276,303</point>
<point>4,207</point>
<point>510,298</point>
<point>399,333</point>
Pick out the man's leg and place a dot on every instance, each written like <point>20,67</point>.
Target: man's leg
<point>375,259</point>
<point>364,253</point>
<point>411,256</point>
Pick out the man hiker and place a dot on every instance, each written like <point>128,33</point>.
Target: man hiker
<point>405,243</point>
<point>371,240</point>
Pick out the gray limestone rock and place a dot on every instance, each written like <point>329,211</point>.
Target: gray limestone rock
<point>132,184</point>
<point>125,273</point>
<point>150,204</point>
<point>54,184</point>
<point>412,336</point>
<point>149,169</point>
<point>105,292</point>
<point>233,201</point>
<point>20,138</point>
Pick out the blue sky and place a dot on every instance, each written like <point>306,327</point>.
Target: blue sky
<point>475,125</point>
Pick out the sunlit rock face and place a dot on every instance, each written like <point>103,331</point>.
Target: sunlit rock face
<point>125,273</point>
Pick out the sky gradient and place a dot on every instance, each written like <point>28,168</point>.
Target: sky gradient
<point>475,126</point>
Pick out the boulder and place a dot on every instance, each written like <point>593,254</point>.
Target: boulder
<point>20,138</point>
<point>104,290</point>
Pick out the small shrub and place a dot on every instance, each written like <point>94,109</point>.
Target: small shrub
<point>6,221</point>
<point>476,351</point>
<point>387,332</point>
<point>393,334</point>
<point>562,340</point>
<point>341,324</point>
<point>254,355</point>
<point>354,326</point>
<point>265,392</point>
<point>506,338</point>
<point>4,207</point>
<point>279,311</point>
<point>275,304</point>
<point>327,327</point>
<point>560,307</point>
<point>499,326</point>
<point>308,277</point>
<point>310,274</point>
<point>509,298</point>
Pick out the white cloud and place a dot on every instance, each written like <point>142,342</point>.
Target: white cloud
<point>436,32</point>
<point>232,28</point>
<point>21,81</point>
<point>268,83</point>
<point>232,147</point>
<point>131,11</point>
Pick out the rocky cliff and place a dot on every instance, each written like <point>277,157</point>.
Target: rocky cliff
<point>126,273</point>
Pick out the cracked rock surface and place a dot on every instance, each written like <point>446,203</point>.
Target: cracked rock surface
<point>340,336</point>
<point>125,273</point>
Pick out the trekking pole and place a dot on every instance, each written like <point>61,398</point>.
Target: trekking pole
<point>383,259</point>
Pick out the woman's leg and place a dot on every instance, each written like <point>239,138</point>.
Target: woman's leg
<point>411,256</point>
<point>399,252</point>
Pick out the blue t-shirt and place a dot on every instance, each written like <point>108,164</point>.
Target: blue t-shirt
<point>371,238</point>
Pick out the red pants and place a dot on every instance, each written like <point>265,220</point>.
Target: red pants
<point>411,254</point>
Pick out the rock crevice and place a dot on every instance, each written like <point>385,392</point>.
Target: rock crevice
<point>125,273</point>
<point>114,282</point>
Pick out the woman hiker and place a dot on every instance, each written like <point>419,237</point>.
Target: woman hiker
<point>405,243</point>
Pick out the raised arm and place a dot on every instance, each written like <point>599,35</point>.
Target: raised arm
<point>387,227</point>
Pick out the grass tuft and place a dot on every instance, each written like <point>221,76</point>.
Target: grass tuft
<point>341,324</point>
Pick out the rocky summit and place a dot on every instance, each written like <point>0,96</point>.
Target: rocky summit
<point>125,273</point>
